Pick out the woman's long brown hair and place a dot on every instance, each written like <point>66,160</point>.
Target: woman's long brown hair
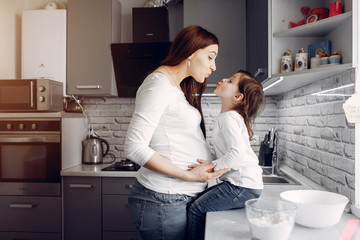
<point>253,101</point>
<point>188,41</point>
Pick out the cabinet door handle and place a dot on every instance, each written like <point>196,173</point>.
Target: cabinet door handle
<point>75,185</point>
<point>22,205</point>
<point>32,94</point>
<point>128,186</point>
<point>24,139</point>
<point>88,86</point>
<point>24,239</point>
<point>258,72</point>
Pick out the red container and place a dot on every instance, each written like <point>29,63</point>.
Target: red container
<point>302,22</point>
<point>320,12</point>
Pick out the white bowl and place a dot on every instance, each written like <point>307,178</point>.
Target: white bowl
<point>316,209</point>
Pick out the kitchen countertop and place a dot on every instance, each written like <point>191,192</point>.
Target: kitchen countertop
<point>88,170</point>
<point>232,224</point>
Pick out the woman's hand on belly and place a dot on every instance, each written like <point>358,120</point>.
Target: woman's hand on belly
<point>203,172</point>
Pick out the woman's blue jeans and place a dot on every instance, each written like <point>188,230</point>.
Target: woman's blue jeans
<point>223,196</point>
<point>158,216</point>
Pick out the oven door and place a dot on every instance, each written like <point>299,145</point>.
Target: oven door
<point>30,164</point>
<point>17,95</point>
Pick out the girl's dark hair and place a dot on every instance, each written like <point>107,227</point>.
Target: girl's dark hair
<point>253,101</point>
<point>188,41</point>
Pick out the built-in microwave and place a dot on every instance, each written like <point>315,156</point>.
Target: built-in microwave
<point>31,95</point>
<point>30,156</point>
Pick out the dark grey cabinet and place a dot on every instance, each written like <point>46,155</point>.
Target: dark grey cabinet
<point>29,236</point>
<point>116,217</point>
<point>30,217</point>
<point>96,208</point>
<point>82,208</point>
<point>227,20</point>
<point>257,38</point>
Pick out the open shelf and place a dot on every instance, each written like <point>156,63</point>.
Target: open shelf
<point>315,29</point>
<point>294,80</point>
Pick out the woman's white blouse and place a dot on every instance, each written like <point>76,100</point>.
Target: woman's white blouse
<point>164,122</point>
<point>233,151</point>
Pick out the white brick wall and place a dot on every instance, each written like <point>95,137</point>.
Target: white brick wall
<point>314,137</point>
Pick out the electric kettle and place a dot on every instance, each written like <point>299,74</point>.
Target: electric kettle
<point>93,150</point>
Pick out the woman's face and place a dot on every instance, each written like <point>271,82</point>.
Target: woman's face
<point>202,62</point>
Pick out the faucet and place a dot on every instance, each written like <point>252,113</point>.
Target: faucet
<point>274,143</point>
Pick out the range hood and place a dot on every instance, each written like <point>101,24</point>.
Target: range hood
<point>134,61</point>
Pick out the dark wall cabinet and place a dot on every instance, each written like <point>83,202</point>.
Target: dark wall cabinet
<point>96,208</point>
<point>257,38</point>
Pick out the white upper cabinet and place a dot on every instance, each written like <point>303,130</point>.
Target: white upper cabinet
<point>337,29</point>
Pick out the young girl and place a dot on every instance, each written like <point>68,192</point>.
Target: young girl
<point>241,101</point>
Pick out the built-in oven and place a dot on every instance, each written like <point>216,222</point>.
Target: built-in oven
<point>30,156</point>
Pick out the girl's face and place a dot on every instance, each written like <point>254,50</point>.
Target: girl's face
<point>202,62</point>
<point>227,88</point>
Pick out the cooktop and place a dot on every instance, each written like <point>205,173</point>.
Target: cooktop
<point>122,165</point>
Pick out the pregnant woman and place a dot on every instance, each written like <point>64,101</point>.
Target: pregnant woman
<point>167,134</point>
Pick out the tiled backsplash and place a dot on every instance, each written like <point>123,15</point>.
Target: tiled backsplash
<point>314,137</point>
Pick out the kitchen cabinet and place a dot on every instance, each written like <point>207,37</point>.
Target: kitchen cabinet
<point>82,208</point>
<point>116,218</point>
<point>227,20</point>
<point>338,29</point>
<point>257,38</point>
<point>30,217</point>
<point>92,26</point>
<point>96,208</point>
<point>28,236</point>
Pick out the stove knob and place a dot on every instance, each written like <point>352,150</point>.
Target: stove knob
<point>42,99</point>
<point>21,126</point>
<point>33,126</point>
<point>9,126</point>
<point>42,89</point>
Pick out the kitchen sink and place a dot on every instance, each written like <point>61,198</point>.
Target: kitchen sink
<point>279,179</point>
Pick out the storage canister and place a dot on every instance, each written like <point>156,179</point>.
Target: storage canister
<point>301,60</point>
<point>286,64</point>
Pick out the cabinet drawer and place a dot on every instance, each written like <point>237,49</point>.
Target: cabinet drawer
<point>116,216</point>
<point>30,214</point>
<point>82,185</point>
<point>29,236</point>
<point>120,235</point>
<point>117,185</point>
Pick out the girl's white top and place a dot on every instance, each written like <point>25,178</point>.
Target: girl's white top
<point>233,151</point>
<point>164,122</point>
